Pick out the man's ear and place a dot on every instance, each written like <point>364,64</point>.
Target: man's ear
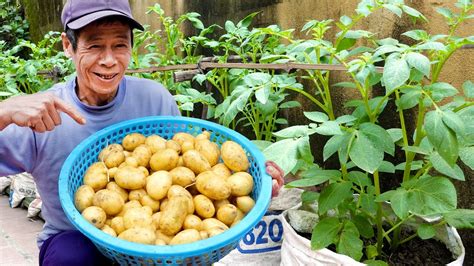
<point>67,46</point>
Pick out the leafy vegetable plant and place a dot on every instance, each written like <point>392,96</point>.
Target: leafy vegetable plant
<point>350,204</point>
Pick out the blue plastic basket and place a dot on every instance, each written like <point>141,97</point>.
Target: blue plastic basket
<point>203,252</point>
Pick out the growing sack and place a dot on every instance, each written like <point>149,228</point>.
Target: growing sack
<point>261,246</point>
<point>22,186</point>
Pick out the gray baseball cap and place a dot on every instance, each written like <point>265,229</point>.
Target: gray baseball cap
<point>79,13</point>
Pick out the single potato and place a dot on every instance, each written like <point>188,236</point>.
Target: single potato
<point>221,170</point>
<point>96,176</point>
<point>146,200</point>
<point>110,201</point>
<point>155,143</point>
<point>117,224</point>
<point>234,156</point>
<point>137,194</point>
<point>182,137</point>
<point>209,150</point>
<point>172,217</point>
<point>186,236</point>
<point>171,144</point>
<point>143,154</point>
<point>240,183</point>
<point>158,184</point>
<point>166,159</point>
<point>192,222</point>
<point>203,206</point>
<point>83,197</point>
<point>182,176</point>
<point>244,203</point>
<point>107,150</point>
<point>227,214</point>
<point>95,215</point>
<point>108,230</point>
<point>137,217</point>
<point>133,140</point>
<point>129,177</point>
<point>212,186</point>
<point>139,235</point>
<point>196,162</point>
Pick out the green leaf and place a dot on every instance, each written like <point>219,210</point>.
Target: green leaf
<point>247,20</point>
<point>318,117</point>
<point>412,12</point>
<point>292,132</point>
<point>349,241</point>
<point>445,12</point>
<point>345,119</point>
<point>386,49</point>
<point>309,197</point>
<point>290,104</point>
<point>460,218</point>
<point>325,232</point>
<point>345,44</point>
<point>441,136</point>
<point>197,23</point>
<point>454,122</point>
<point>229,26</point>
<point>399,203</point>
<point>409,100</point>
<point>420,62</point>
<point>395,133</point>
<point>359,178</point>
<point>426,231</point>
<point>379,136</point>
<point>431,196</point>
<point>416,149</point>
<point>468,88</point>
<point>453,171</point>
<point>284,153</point>
<point>345,20</point>
<point>396,72</point>
<point>333,195</point>
<point>441,90</point>
<point>329,128</point>
<point>262,94</point>
<point>467,156</point>
<point>262,144</point>
<point>366,154</point>
<point>387,167</point>
<point>364,226</point>
<point>417,35</point>
<point>437,46</point>
<point>236,106</point>
<point>395,9</point>
<point>323,174</point>
<point>333,145</point>
<point>257,79</point>
<point>307,182</point>
<point>415,165</point>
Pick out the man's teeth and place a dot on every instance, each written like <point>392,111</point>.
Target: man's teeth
<point>106,76</point>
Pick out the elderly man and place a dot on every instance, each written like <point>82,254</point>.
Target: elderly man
<point>37,132</point>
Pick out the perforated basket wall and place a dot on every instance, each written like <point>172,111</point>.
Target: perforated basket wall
<point>203,252</point>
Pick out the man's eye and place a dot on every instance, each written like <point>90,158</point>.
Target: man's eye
<point>94,47</point>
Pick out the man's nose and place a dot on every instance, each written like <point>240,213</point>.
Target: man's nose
<point>108,58</point>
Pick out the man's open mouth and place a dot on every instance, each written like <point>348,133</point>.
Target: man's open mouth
<point>104,76</point>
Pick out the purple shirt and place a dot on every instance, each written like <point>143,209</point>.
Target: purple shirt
<point>42,154</point>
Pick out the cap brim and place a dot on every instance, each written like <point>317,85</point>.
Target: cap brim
<point>89,18</point>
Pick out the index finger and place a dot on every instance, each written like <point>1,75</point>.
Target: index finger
<point>66,108</point>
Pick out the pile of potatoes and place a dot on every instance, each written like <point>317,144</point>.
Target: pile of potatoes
<point>155,191</point>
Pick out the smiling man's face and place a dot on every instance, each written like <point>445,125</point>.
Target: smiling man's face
<point>101,58</point>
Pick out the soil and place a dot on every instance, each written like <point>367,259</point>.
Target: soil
<point>414,252</point>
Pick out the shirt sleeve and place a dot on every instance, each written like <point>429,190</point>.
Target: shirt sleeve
<point>17,150</point>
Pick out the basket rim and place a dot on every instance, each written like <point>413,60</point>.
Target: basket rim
<point>185,250</point>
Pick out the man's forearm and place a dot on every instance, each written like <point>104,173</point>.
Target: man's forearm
<point>5,116</point>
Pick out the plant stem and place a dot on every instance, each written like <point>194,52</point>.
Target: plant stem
<point>380,233</point>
